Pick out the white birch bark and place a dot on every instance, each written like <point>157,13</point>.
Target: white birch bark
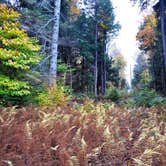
<point>54,46</point>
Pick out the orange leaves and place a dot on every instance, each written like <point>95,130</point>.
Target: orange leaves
<point>74,10</point>
<point>146,35</point>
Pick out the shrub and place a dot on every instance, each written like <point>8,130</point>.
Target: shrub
<point>147,97</point>
<point>158,101</point>
<point>127,103</point>
<point>113,94</point>
<point>57,95</point>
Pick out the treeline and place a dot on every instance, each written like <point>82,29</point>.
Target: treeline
<point>150,71</point>
<point>71,51</point>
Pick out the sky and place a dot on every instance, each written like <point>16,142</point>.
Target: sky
<point>129,17</point>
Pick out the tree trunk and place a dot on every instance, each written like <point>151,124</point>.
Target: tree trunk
<point>96,65</point>
<point>96,54</point>
<point>104,76</point>
<point>162,16</point>
<point>54,46</point>
<point>154,73</point>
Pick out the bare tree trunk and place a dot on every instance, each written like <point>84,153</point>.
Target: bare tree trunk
<point>104,75</point>
<point>54,47</point>
<point>104,64</point>
<point>96,54</point>
<point>154,73</point>
<point>162,15</point>
<point>96,70</point>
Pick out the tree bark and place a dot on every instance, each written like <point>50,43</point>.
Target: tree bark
<point>162,16</point>
<point>104,76</point>
<point>54,47</point>
<point>103,71</point>
<point>96,53</point>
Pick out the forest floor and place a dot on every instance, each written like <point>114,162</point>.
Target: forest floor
<point>83,134</point>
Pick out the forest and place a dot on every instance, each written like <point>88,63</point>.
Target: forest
<point>64,96</point>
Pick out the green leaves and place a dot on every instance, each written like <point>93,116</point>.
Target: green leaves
<point>13,87</point>
<point>17,53</point>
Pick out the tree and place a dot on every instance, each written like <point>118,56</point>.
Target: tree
<point>54,46</point>
<point>119,65</point>
<point>17,53</point>
<point>162,17</point>
<point>141,65</point>
<point>104,25</point>
<point>83,35</point>
<point>161,6</point>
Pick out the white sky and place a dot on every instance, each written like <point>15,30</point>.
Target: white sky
<point>129,18</point>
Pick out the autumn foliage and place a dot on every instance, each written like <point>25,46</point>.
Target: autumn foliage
<point>18,52</point>
<point>146,35</point>
<point>82,134</point>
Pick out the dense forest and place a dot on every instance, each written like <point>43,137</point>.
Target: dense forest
<point>64,96</point>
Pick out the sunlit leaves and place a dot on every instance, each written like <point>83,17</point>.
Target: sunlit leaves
<point>7,14</point>
<point>17,53</point>
<point>13,87</point>
<point>146,35</point>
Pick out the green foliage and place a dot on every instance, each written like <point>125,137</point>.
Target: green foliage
<point>13,87</point>
<point>145,78</point>
<point>62,67</point>
<point>127,103</point>
<point>148,97</point>
<point>58,95</point>
<point>17,53</point>
<point>113,94</point>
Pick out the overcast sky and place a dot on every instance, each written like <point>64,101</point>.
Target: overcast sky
<point>129,18</point>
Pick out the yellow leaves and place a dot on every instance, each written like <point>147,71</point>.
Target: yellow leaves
<point>8,162</point>
<point>7,13</point>
<point>151,20</point>
<point>102,25</point>
<point>146,35</point>
<point>83,143</point>
<point>28,129</point>
<point>75,11</point>
<point>17,49</point>
<point>139,162</point>
<point>150,152</point>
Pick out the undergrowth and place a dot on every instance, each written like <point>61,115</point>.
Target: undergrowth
<point>87,134</point>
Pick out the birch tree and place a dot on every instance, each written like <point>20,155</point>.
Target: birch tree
<point>54,46</point>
